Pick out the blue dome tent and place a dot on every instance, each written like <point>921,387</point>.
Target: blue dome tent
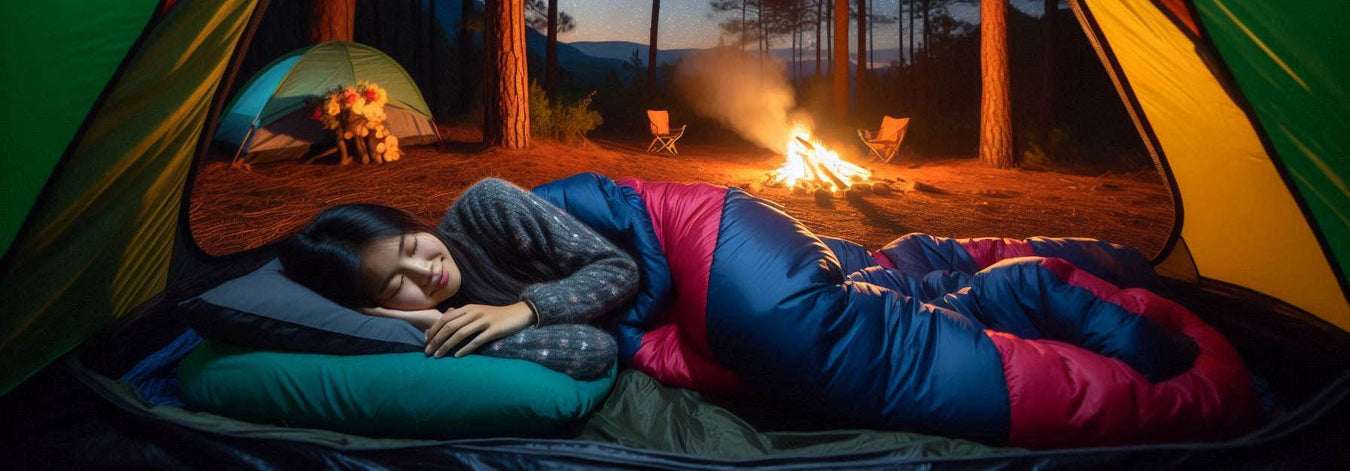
<point>269,121</point>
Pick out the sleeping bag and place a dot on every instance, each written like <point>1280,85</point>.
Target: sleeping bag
<point>1034,343</point>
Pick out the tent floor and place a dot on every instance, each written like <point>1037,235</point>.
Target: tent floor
<point>61,419</point>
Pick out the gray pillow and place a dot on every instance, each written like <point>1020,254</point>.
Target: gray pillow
<point>265,309</point>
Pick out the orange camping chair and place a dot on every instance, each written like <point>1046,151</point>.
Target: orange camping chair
<point>663,137</point>
<point>885,142</point>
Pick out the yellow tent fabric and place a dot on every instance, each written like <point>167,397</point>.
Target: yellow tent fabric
<point>101,242</point>
<point>1239,220</point>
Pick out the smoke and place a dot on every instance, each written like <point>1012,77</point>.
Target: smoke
<point>741,91</point>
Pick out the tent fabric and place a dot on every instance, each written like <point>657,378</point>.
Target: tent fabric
<point>1293,78</point>
<point>39,65</point>
<point>289,81</point>
<point>240,116</point>
<point>296,135</point>
<point>99,244</point>
<point>1228,184</point>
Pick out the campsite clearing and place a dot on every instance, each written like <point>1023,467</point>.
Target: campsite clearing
<point>234,210</point>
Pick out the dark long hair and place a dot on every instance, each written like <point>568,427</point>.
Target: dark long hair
<point>326,257</point>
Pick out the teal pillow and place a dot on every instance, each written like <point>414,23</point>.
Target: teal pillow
<point>387,394</point>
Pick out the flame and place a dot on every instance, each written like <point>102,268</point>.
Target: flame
<point>809,163</point>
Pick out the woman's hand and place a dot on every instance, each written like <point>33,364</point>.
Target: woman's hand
<point>422,319</point>
<point>477,323</point>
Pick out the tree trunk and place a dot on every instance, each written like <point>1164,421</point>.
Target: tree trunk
<point>332,20</point>
<point>464,44</point>
<point>506,33</point>
<point>871,36</point>
<point>860,88</point>
<point>763,40</point>
<point>434,78</point>
<point>491,118</point>
<point>840,61</point>
<point>900,29</point>
<point>550,53</point>
<point>995,110</point>
<point>1045,115</point>
<point>743,7</point>
<point>819,6</point>
<point>911,31</point>
<point>829,36</point>
<point>651,52</point>
<point>927,38</point>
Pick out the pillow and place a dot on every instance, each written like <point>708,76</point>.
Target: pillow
<point>386,395</point>
<point>265,309</point>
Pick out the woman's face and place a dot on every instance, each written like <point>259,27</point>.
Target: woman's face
<point>409,272</point>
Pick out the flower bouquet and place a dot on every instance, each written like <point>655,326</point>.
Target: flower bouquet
<point>356,117</point>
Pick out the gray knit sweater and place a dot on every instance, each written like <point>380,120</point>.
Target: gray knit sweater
<point>588,276</point>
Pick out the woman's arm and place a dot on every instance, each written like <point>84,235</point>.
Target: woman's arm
<point>586,275</point>
<point>580,351</point>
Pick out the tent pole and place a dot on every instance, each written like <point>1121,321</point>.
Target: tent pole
<point>440,142</point>
<point>242,144</point>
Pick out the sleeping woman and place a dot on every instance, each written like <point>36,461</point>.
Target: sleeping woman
<point>963,338</point>
<point>504,274</point>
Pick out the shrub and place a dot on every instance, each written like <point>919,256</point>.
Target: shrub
<point>561,121</point>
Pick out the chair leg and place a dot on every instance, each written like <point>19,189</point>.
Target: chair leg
<point>652,145</point>
<point>877,154</point>
<point>891,153</point>
<point>667,145</point>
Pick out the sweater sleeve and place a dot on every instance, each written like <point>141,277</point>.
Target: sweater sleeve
<point>579,275</point>
<point>580,351</point>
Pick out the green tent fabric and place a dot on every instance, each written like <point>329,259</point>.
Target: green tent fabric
<point>99,241</point>
<point>1241,220</point>
<point>43,59</point>
<point>1294,79</point>
<point>270,115</point>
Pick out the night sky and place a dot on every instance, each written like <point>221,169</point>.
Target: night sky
<point>690,24</point>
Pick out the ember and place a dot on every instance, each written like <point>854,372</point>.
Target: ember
<point>811,166</point>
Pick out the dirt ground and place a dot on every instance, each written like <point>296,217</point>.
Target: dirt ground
<point>234,209</point>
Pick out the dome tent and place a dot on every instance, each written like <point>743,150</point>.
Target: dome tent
<point>1240,104</point>
<point>269,120</point>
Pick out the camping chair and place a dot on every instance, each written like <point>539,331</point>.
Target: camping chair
<point>885,142</point>
<point>663,137</point>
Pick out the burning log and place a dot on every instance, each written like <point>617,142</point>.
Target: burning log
<point>810,167</point>
<point>823,170</point>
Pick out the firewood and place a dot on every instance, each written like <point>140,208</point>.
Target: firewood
<point>824,197</point>
<point>824,170</point>
<point>342,149</point>
<point>372,146</point>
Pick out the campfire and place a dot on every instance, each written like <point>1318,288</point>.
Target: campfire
<point>812,167</point>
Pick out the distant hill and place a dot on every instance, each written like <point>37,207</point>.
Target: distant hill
<point>588,68</point>
<point>623,50</point>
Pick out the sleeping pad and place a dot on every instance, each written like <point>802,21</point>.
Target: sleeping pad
<point>1032,343</point>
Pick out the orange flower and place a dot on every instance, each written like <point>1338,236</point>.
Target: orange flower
<point>372,94</point>
<point>349,97</point>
